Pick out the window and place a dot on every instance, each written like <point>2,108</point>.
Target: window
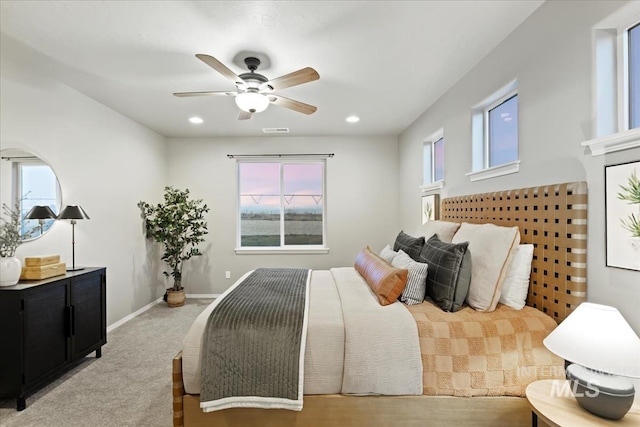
<point>39,187</point>
<point>494,135</point>
<point>438,160</point>
<point>433,162</point>
<point>634,76</point>
<point>282,204</point>
<point>616,72</point>
<point>502,128</point>
<point>27,181</point>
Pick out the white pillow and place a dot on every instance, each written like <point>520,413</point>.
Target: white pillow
<point>444,229</point>
<point>516,284</point>
<point>416,281</point>
<point>491,247</point>
<point>388,254</point>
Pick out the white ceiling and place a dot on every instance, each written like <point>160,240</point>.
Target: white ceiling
<point>385,61</point>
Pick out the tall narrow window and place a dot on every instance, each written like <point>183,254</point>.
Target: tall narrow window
<point>433,161</point>
<point>282,204</point>
<point>634,76</point>
<point>438,160</point>
<point>502,128</point>
<point>259,204</point>
<point>494,134</point>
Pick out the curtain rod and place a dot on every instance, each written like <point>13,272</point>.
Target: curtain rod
<point>19,158</point>
<point>240,156</point>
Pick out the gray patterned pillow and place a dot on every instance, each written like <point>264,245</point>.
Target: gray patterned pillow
<point>449,273</point>
<point>414,292</point>
<point>412,246</point>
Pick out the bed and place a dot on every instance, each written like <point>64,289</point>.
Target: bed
<point>553,219</point>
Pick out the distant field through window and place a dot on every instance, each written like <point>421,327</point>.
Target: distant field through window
<point>281,204</point>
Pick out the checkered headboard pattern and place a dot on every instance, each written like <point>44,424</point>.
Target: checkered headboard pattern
<point>554,219</point>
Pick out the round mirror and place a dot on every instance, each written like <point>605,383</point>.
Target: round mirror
<point>29,187</point>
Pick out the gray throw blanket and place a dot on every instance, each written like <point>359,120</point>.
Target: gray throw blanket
<point>253,344</point>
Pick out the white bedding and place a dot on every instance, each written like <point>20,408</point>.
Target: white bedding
<point>378,354</point>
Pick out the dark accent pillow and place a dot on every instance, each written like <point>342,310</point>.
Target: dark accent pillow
<point>449,272</point>
<point>412,246</point>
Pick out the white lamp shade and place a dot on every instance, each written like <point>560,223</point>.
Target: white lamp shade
<point>252,102</point>
<point>597,336</point>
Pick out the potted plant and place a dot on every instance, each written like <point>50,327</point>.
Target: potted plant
<point>10,239</point>
<point>179,225</point>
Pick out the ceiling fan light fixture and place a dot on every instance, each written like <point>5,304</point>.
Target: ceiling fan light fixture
<point>252,102</point>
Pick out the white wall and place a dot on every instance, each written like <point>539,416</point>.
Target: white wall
<point>104,161</point>
<point>362,200</point>
<point>551,56</point>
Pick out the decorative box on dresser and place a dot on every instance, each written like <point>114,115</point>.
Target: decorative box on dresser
<point>46,325</point>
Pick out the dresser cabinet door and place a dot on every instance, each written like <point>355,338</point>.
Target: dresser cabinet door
<point>87,306</point>
<point>46,325</point>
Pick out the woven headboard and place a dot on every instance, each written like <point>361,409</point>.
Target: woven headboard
<point>554,219</point>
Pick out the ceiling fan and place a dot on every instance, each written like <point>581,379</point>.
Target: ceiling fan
<point>255,91</point>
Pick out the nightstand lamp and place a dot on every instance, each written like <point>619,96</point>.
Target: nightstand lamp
<point>603,350</point>
<point>73,212</point>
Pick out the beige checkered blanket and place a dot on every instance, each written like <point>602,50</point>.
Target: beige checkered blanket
<point>468,353</point>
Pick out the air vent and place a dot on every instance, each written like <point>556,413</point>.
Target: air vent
<point>275,130</point>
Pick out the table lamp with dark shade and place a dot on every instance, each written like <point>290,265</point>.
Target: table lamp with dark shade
<point>41,213</point>
<point>603,350</point>
<point>73,212</point>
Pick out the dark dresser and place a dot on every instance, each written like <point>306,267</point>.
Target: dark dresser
<point>46,325</point>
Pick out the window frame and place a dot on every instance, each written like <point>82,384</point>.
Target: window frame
<point>480,135</point>
<point>430,141</point>
<point>624,81</point>
<point>282,248</point>
<point>18,194</point>
<point>434,165</point>
<point>487,129</point>
<point>610,91</point>
<point>623,78</point>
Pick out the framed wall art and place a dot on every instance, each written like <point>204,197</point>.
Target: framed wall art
<point>430,207</point>
<point>622,212</point>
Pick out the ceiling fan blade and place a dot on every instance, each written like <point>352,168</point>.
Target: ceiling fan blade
<point>215,92</point>
<point>220,67</point>
<point>298,106</point>
<point>243,115</point>
<point>304,75</point>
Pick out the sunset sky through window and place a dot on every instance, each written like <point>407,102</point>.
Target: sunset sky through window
<point>260,185</point>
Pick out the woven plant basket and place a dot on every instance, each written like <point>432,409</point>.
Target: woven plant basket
<point>175,298</point>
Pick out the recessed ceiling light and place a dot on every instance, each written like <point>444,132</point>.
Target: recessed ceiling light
<point>353,119</point>
<point>196,120</point>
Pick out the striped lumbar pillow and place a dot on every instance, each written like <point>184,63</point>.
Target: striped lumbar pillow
<point>417,280</point>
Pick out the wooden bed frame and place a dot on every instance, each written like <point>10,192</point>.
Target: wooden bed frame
<point>553,218</point>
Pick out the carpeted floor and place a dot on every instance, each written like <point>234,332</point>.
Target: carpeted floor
<point>129,386</point>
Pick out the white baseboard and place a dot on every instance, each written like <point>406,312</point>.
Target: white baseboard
<point>132,315</point>
<point>202,295</point>
<point>148,306</point>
